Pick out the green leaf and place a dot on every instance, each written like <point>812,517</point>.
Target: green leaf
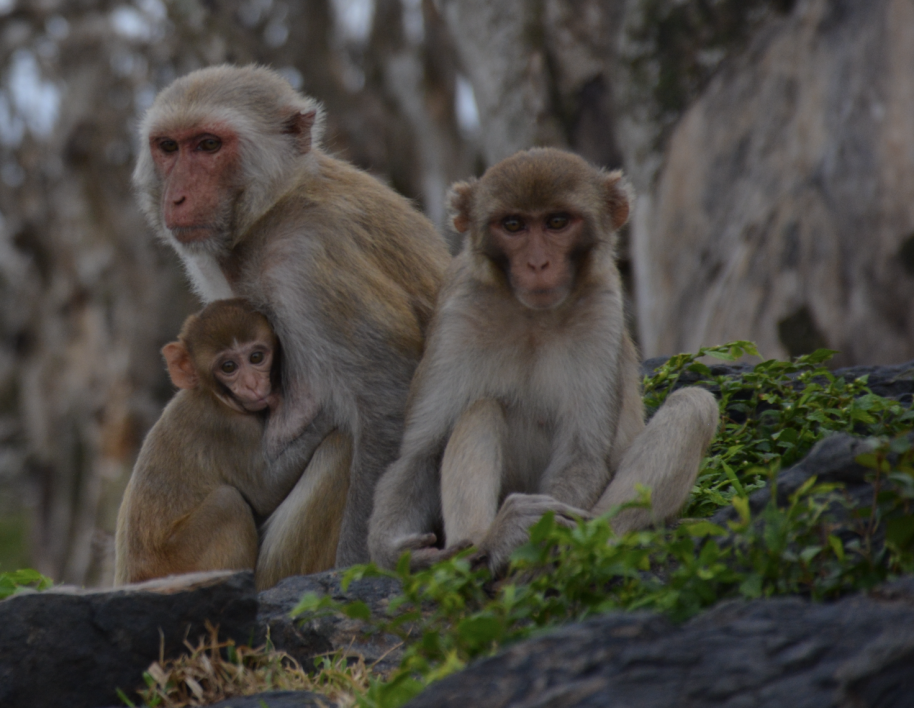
<point>741,504</point>
<point>899,531</point>
<point>704,528</point>
<point>804,488</point>
<point>22,580</point>
<point>357,610</point>
<point>836,546</point>
<point>480,630</point>
<point>542,528</point>
<point>751,587</point>
<point>819,356</point>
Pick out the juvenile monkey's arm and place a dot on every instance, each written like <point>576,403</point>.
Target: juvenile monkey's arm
<point>283,471</point>
<point>289,421</point>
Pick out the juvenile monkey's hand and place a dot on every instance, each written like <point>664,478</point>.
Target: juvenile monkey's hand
<point>289,417</point>
<point>512,524</point>
<point>423,552</point>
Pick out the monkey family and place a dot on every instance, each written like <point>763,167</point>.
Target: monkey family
<point>375,421</point>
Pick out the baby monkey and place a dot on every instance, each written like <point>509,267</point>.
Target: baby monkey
<point>201,483</point>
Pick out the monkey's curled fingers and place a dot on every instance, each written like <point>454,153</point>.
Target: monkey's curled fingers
<point>291,415</point>
<point>424,553</point>
<point>513,521</point>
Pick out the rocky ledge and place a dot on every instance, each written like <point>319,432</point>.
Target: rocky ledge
<point>76,648</point>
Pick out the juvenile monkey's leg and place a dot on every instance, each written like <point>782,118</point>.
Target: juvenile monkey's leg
<point>472,471</point>
<point>301,536</point>
<point>665,457</point>
<point>219,534</point>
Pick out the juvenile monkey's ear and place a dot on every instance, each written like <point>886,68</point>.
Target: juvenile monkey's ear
<point>180,367</point>
<point>619,198</point>
<point>300,124</point>
<point>459,199</point>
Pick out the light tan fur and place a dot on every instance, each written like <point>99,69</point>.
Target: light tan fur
<point>345,269</point>
<point>183,510</point>
<point>530,404</point>
<point>201,481</point>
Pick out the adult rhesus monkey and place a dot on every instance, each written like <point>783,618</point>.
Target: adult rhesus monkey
<point>231,174</point>
<point>530,384</point>
<point>201,483</point>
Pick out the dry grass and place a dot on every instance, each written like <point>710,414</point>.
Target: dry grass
<point>217,670</point>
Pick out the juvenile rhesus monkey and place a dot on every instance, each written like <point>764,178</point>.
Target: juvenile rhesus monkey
<point>201,483</point>
<point>231,174</point>
<point>528,397</point>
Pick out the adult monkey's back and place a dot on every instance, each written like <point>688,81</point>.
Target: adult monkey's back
<point>231,174</point>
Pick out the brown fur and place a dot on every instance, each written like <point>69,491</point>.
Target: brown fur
<point>518,409</point>
<point>346,270</point>
<point>201,480</point>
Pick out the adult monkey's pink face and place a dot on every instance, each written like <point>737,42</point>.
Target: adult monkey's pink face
<point>199,166</point>
<point>221,145</point>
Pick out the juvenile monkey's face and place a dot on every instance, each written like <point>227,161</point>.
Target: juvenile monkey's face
<point>244,369</point>
<point>537,249</point>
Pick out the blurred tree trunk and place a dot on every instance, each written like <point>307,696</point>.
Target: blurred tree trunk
<point>89,297</point>
<point>541,72</point>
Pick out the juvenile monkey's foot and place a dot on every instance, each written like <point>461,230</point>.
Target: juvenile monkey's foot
<point>512,524</point>
<point>427,557</point>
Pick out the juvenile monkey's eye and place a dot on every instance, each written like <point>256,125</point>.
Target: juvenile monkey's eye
<point>209,144</point>
<point>256,358</point>
<point>228,367</point>
<point>512,223</point>
<point>557,221</point>
<point>168,145</point>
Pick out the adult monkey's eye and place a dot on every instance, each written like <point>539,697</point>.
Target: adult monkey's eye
<point>167,145</point>
<point>209,144</point>
<point>228,367</point>
<point>557,221</point>
<point>512,223</point>
<point>256,357</point>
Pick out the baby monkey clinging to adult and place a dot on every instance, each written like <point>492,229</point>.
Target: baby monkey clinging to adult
<point>528,397</point>
<point>201,483</point>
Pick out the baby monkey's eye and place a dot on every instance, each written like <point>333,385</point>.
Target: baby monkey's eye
<point>256,358</point>
<point>512,224</point>
<point>557,221</point>
<point>228,367</point>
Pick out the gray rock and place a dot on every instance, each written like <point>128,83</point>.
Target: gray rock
<point>895,382</point>
<point>780,211</point>
<point>305,640</point>
<point>831,460</point>
<point>73,648</point>
<point>766,653</point>
<point>277,699</point>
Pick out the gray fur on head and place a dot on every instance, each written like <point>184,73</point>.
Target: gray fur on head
<point>259,105</point>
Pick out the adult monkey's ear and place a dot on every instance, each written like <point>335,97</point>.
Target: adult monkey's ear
<point>619,197</point>
<point>300,125</point>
